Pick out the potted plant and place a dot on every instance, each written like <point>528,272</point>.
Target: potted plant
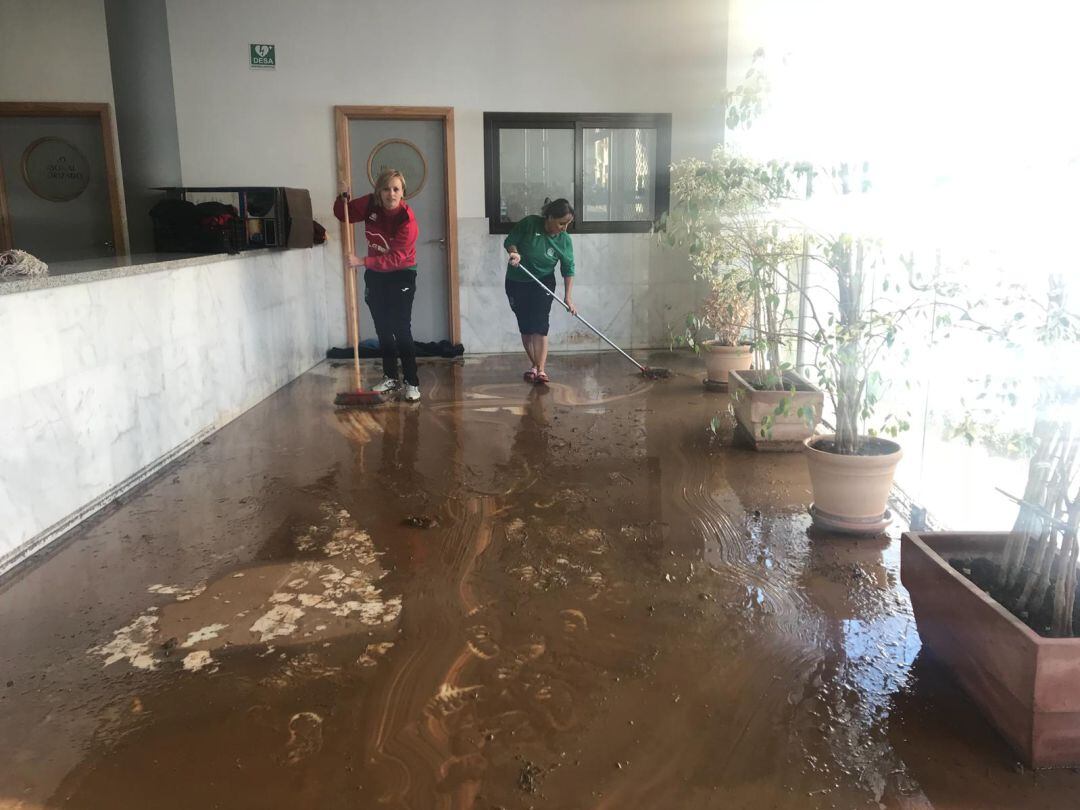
<point>721,210</point>
<point>717,327</point>
<point>776,407</point>
<point>851,470</point>
<point>999,609</point>
<point>717,210</point>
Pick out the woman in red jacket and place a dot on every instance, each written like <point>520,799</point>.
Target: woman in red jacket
<point>389,275</point>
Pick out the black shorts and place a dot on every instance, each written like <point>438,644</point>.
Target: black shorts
<point>531,304</point>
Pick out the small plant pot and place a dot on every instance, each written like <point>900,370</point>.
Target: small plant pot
<point>851,493</point>
<point>753,406</point>
<point>720,360</point>
<point>1024,683</point>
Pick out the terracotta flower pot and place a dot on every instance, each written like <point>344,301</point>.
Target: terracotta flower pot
<point>851,493</point>
<point>1026,684</point>
<point>752,406</point>
<point>719,360</point>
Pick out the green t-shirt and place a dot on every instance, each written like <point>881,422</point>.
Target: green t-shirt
<point>539,252</point>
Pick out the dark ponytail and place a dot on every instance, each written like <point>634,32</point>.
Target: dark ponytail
<point>556,209</point>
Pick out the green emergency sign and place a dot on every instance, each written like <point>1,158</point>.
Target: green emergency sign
<point>263,56</point>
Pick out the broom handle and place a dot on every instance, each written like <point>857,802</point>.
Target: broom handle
<point>351,287</point>
<point>580,318</point>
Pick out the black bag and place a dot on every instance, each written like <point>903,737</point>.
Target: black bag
<point>175,226</point>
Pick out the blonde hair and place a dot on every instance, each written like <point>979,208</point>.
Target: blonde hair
<point>383,181</point>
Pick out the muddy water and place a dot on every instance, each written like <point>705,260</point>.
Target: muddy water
<point>505,597</point>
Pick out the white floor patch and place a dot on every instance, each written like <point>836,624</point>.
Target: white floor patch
<point>280,620</point>
<point>200,659</point>
<point>181,594</point>
<point>332,593</point>
<point>373,652</point>
<point>132,643</point>
<point>203,634</point>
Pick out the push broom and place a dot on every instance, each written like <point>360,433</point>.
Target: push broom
<point>646,371</point>
<point>358,397</point>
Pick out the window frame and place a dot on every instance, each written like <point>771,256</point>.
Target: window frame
<point>578,122</point>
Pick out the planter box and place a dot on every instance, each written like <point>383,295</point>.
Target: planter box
<point>1027,685</point>
<point>752,406</point>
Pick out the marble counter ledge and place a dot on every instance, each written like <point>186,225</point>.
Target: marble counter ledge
<point>87,270</point>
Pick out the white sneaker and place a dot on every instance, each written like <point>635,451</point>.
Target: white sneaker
<point>386,386</point>
<point>412,393</point>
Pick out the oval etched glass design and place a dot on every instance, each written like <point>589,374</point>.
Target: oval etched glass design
<point>55,170</point>
<point>402,155</point>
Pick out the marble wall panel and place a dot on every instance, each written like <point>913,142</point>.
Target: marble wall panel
<point>124,370</point>
<point>481,258</point>
<point>625,282</point>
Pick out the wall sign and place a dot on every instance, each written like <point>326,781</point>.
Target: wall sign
<point>55,170</point>
<point>263,56</point>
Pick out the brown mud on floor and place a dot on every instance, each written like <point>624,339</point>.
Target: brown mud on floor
<point>504,597</point>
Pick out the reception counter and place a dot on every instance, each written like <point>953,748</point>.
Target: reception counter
<point>113,368</point>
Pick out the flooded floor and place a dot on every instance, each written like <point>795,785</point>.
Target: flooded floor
<point>503,597</point>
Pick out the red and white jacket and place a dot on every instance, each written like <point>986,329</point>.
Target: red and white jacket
<point>391,235</point>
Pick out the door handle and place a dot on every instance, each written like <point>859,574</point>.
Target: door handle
<point>437,242</point>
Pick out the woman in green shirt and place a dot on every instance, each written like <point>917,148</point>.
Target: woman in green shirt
<point>538,243</point>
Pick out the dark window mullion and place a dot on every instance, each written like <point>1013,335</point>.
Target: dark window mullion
<point>579,172</point>
<point>614,226</point>
<point>491,160</point>
<point>662,192</point>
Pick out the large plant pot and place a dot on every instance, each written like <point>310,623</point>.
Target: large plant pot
<point>1027,685</point>
<point>752,406</point>
<point>851,493</point>
<point>720,360</point>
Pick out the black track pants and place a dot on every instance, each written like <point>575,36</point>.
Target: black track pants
<point>389,296</point>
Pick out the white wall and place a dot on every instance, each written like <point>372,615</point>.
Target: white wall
<point>275,127</point>
<point>54,51</point>
<point>57,51</point>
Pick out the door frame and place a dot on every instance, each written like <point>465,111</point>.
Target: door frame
<point>72,109</point>
<point>343,114</point>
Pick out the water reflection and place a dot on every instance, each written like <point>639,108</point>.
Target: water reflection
<point>608,611</point>
<point>867,646</point>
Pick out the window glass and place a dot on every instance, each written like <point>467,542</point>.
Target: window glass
<point>614,168</point>
<point>533,164</point>
<point>619,181</point>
